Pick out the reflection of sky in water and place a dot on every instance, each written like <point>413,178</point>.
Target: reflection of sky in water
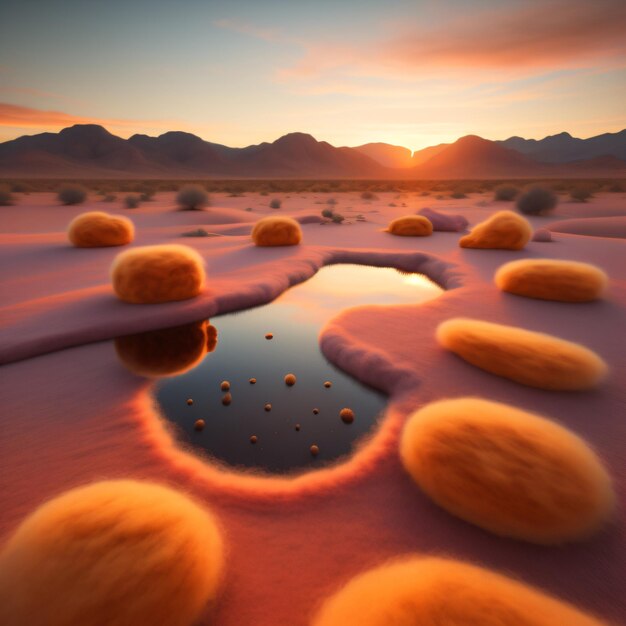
<point>295,318</point>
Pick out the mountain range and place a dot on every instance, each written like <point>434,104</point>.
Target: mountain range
<point>90,151</point>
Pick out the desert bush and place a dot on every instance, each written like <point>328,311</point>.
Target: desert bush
<point>72,194</point>
<point>368,195</point>
<point>582,193</point>
<point>505,193</point>
<point>6,199</point>
<point>337,218</point>
<point>109,197</point>
<point>131,201</point>
<point>328,213</point>
<point>616,187</point>
<point>192,198</point>
<point>536,201</point>
<point>275,203</point>
<point>19,188</point>
<point>458,195</point>
<point>331,201</point>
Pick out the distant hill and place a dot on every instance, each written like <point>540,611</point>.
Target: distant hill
<point>387,154</point>
<point>90,151</point>
<point>475,157</point>
<point>563,148</point>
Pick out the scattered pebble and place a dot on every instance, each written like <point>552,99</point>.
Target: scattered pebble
<point>269,336</point>
<point>290,380</point>
<point>225,385</point>
<point>268,407</point>
<point>189,402</point>
<point>316,411</point>
<point>328,384</point>
<point>347,416</point>
<point>252,381</point>
<point>314,450</point>
<point>298,427</point>
<point>254,439</point>
<point>199,425</point>
<point>227,399</point>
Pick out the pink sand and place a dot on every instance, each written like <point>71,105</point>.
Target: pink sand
<point>76,415</point>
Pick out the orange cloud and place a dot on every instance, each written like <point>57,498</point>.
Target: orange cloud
<point>25,117</point>
<point>534,36</point>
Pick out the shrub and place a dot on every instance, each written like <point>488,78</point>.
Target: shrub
<point>458,195</point>
<point>331,201</point>
<point>368,195</point>
<point>337,218</point>
<point>505,193</point>
<point>536,201</point>
<point>616,187</point>
<point>581,193</point>
<point>131,201</point>
<point>192,198</point>
<point>19,188</point>
<point>6,199</point>
<point>109,197</point>
<point>72,194</point>
<point>328,213</point>
<point>275,203</point>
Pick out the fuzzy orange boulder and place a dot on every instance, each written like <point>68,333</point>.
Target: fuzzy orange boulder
<point>154,274</point>
<point>504,230</point>
<point>546,279</point>
<point>527,357</point>
<point>115,552</point>
<point>506,470</point>
<point>167,351</point>
<point>97,229</point>
<point>411,226</point>
<point>276,231</point>
<point>440,592</point>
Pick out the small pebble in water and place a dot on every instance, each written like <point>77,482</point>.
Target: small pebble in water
<point>254,439</point>
<point>328,384</point>
<point>268,407</point>
<point>297,426</point>
<point>290,380</point>
<point>252,381</point>
<point>316,411</point>
<point>269,336</point>
<point>199,425</point>
<point>227,399</point>
<point>347,416</point>
<point>189,402</point>
<point>225,385</point>
<point>314,450</point>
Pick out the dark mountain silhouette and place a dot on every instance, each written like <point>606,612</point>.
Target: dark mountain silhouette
<point>90,151</point>
<point>563,148</point>
<point>84,147</point>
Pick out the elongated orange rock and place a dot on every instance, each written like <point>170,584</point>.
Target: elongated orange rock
<point>548,279</point>
<point>411,226</point>
<point>506,470</point>
<point>154,274</point>
<point>504,230</point>
<point>116,552</point>
<point>97,229</point>
<point>424,591</point>
<point>525,356</point>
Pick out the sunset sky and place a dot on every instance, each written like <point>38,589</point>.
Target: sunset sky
<point>238,72</point>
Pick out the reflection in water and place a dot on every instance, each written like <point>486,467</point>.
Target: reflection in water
<point>167,352</point>
<point>302,415</point>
